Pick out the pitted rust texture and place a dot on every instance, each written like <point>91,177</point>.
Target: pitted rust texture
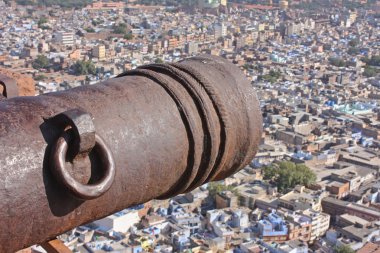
<point>169,127</point>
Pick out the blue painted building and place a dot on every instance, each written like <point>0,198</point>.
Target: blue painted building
<point>273,228</point>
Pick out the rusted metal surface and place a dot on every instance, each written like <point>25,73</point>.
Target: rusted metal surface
<point>71,157</point>
<point>8,87</point>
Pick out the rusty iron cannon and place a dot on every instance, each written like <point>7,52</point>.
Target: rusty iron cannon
<point>71,157</point>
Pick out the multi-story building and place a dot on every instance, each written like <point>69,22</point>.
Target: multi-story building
<point>300,229</point>
<point>299,226</point>
<point>352,178</point>
<point>191,47</point>
<point>250,193</point>
<point>336,207</point>
<point>301,199</point>
<point>338,189</point>
<point>320,223</point>
<point>43,47</point>
<point>106,5</point>
<point>226,199</point>
<point>30,52</point>
<point>294,246</point>
<point>239,219</point>
<point>291,138</point>
<point>284,4</point>
<point>208,4</point>
<point>120,222</point>
<point>220,30</point>
<point>65,38</point>
<point>75,55</point>
<point>99,52</point>
<point>187,220</point>
<point>273,228</point>
<point>181,239</point>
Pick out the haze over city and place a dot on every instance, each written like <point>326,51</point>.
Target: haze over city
<point>313,185</point>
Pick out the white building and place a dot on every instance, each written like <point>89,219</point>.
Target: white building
<point>209,4</point>
<point>119,222</point>
<point>220,30</point>
<point>65,38</point>
<point>320,223</point>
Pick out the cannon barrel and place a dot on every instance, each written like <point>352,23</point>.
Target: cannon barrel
<point>68,158</point>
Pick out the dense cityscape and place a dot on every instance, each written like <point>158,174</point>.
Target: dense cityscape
<point>314,184</point>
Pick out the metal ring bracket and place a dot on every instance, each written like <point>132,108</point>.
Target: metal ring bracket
<point>82,191</point>
<point>83,128</point>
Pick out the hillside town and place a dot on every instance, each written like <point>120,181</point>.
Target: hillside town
<point>314,184</point>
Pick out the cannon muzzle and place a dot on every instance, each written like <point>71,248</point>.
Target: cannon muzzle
<point>71,157</point>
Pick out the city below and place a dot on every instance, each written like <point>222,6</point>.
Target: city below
<point>314,184</point>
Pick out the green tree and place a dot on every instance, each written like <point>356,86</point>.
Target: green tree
<point>353,43</point>
<point>120,28</point>
<point>270,172</point>
<point>343,249</point>
<point>247,66</point>
<point>128,36</point>
<point>353,51</point>
<point>287,175</point>
<point>217,187</point>
<point>40,77</point>
<point>370,71</point>
<point>327,47</point>
<point>42,22</point>
<point>95,22</point>
<point>24,2</point>
<point>272,76</point>
<point>159,61</point>
<point>89,29</point>
<point>373,61</point>
<point>84,68</point>
<point>41,62</point>
<point>338,62</point>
